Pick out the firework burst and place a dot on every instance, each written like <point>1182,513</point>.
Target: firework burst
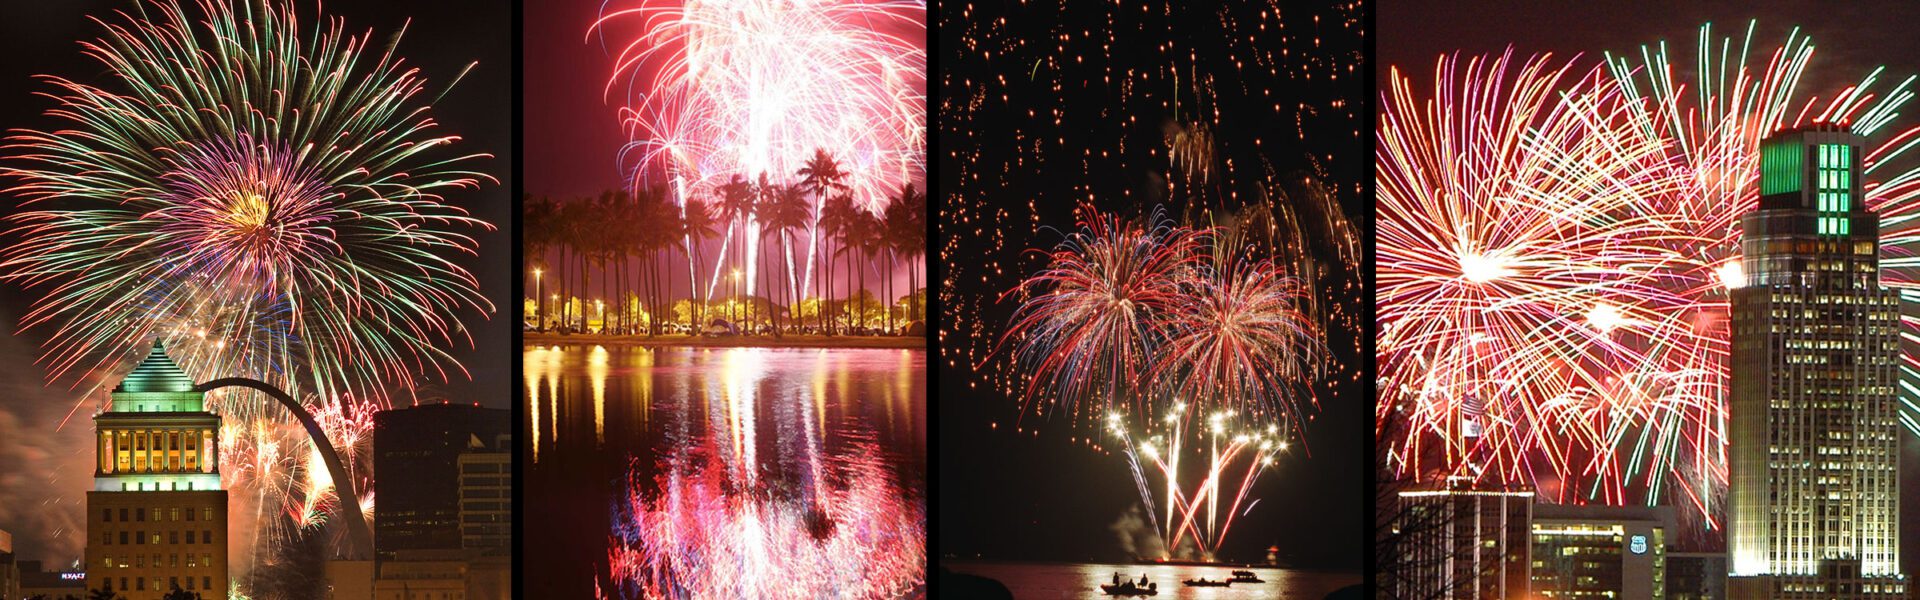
<point>720,89</point>
<point>1153,319</point>
<point>265,200</point>
<point>1555,251</point>
<point>1088,323</point>
<point>1516,275</point>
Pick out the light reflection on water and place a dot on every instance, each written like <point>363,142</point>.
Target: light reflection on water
<point>743,472</point>
<point>1043,581</point>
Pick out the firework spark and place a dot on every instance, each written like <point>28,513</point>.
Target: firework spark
<point>265,201</point>
<point>1555,251</point>
<point>724,89</point>
<point>1234,459</point>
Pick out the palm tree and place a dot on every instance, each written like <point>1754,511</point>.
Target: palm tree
<point>914,242</point>
<point>821,174</point>
<point>837,218</point>
<point>863,235</point>
<point>736,203</point>
<point>539,221</point>
<point>668,234</point>
<point>782,210</point>
<point>647,228</point>
<point>766,195</point>
<point>574,217</point>
<point>698,226</point>
<point>104,593</point>
<point>905,236</point>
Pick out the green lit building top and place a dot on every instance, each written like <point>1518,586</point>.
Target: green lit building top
<point>157,515</point>
<point>1814,434</point>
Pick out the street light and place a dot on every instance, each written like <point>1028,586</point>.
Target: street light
<point>539,308</point>
<point>736,297</point>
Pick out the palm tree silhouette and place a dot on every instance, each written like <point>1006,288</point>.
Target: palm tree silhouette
<point>837,218</point>
<point>736,203</point>
<point>698,226</point>
<point>906,237</point>
<point>785,210</point>
<point>538,220</point>
<point>822,175</point>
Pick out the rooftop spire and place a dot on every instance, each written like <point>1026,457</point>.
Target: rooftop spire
<point>158,373</point>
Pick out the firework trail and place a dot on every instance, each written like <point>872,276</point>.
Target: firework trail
<point>1556,249</point>
<point>1087,327</point>
<point>279,194</point>
<point>718,89</point>
<point>1193,513</point>
<point>1132,318</point>
<point>264,195</point>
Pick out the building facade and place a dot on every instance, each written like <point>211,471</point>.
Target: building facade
<point>422,445</point>
<point>37,581</point>
<point>486,497</point>
<point>1814,508</point>
<point>1463,541</point>
<point>1696,576</point>
<point>157,514</point>
<point>1588,551</point>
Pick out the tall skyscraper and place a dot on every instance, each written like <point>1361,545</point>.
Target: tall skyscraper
<point>157,515</point>
<point>1814,507</point>
<point>421,445</point>
<point>486,495</point>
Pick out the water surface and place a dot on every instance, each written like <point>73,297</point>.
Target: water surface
<point>723,472</point>
<point>1043,581</point>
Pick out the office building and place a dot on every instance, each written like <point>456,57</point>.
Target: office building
<point>1592,551</point>
<point>1460,541</point>
<point>421,446</point>
<point>486,497</point>
<point>1696,576</point>
<point>1813,506</point>
<point>157,514</point>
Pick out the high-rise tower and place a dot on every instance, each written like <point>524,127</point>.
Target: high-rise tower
<point>1814,506</point>
<point>157,515</point>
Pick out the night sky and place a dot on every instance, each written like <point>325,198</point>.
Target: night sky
<point>41,506</point>
<point>1046,105</point>
<point>1850,39</point>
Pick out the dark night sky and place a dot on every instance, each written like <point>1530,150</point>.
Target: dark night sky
<point>444,36</point>
<point>1045,105</point>
<point>573,133</point>
<point>1850,39</point>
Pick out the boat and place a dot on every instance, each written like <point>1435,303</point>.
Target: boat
<point>1246,577</point>
<point>1127,589</point>
<point>1204,582</point>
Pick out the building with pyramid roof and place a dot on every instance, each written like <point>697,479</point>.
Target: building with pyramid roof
<point>157,514</point>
